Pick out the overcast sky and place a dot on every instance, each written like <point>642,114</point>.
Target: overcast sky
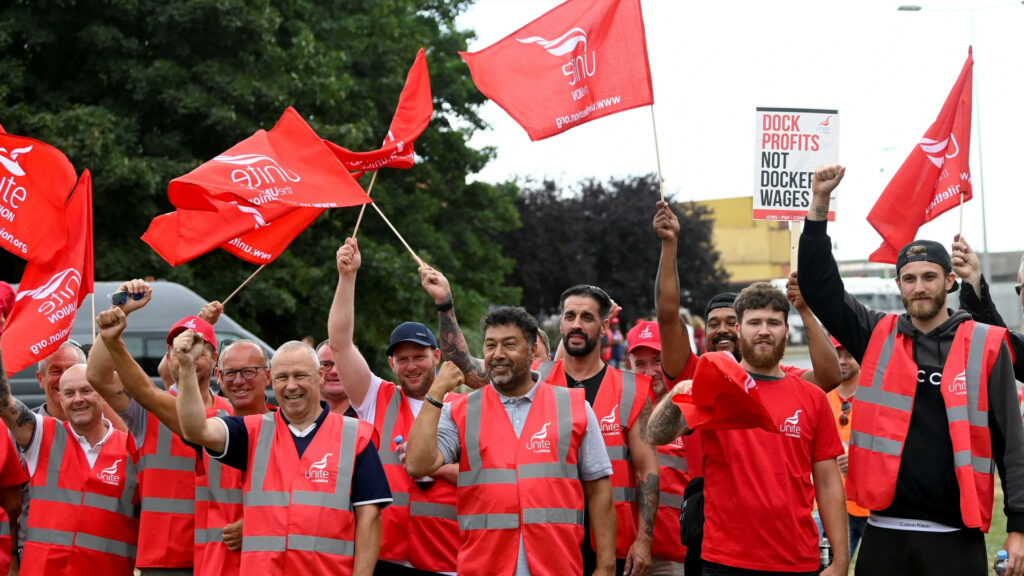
<point>886,71</point>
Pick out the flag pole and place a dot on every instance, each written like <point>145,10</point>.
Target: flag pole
<point>961,214</point>
<point>404,243</point>
<point>94,314</point>
<point>363,209</point>
<point>247,280</point>
<point>657,154</point>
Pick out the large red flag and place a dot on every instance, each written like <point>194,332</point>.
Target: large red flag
<point>35,181</point>
<point>933,178</point>
<point>415,108</point>
<point>50,293</point>
<point>582,60</point>
<point>287,165</point>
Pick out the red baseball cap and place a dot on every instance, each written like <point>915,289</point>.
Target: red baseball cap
<point>194,323</point>
<point>836,343</point>
<point>645,334</point>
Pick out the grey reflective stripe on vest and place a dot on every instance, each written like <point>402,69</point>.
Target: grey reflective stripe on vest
<point>628,399</point>
<point>5,528</point>
<point>552,516</point>
<point>876,443</point>
<point>971,412</point>
<point>488,521</point>
<point>474,476</point>
<point>340,499</point>
<point>875,395</point>
<point>549,470</point>
<point>432,510</point>
<point>545,369</point>
<point>216,492</point>
<point>671,500</point>
<point>162,459</point>
<point>673,462</point>
<point>620,494</point>
<point>80,540</point>
<point>209,535</point>
<point>617,452</point>
<point>169,505</point>
<point>386,450</point>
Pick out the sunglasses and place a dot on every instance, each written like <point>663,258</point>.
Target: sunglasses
<point>844,418</point>
<point>119,298</point>
<point>1016,288</point>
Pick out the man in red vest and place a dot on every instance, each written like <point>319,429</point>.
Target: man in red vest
<point>420,532</point>
<point>936,411</point>
<point>313,483</point>
<point>167,466</point>
<point>84,514</point>
<point>758,484</point>
<point>530,457</point>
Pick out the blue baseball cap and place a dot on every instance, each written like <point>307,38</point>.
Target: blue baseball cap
<point>411,332</point>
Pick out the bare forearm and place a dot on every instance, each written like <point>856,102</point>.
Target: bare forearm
<point>648,492</point>
<point>819,207</point>
<point>824,360</point>
<point>454,348</point>
<point>368,536</point>
<point>192,422</point>
<point>602,520</point>
<point>422,457</point>
<point>135,383</point>
<point>352,367</point>
<point>645,461</point>
<point>666,422</point>
<point>15,413</point>
<point>831,497</point>
<point>675,340</point>
<point>340,321</point>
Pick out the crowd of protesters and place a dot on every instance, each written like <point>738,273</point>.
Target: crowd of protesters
<point>557,461</point>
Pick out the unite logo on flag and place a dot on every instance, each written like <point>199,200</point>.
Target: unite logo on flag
<point>58,295</point>
<point>261,173</point>
<point>109,474</point>
<point>576,69</point>
<point>937,150</point>
<point>539,442</point>
<point>318,473</point>
<point>9,160</point>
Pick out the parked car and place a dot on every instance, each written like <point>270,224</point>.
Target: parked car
<point>146,334</point>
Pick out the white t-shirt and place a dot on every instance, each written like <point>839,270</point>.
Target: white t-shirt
<point>92,451</point>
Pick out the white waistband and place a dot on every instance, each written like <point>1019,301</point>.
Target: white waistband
<point>911,524</point>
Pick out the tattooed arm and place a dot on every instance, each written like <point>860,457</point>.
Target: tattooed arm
<point>452,342</point>
<point>645,463</point>
<point>17,416</point>
<point>667,422</point>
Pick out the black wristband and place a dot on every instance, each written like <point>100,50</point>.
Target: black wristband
<point>446,305</point>
<point>431,400</point>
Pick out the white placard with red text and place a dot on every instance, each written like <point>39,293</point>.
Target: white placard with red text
<point>791,143</point>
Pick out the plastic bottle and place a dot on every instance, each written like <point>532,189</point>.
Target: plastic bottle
<point>1002,559</point>
<point>424,482</point>
<point>825,549</point>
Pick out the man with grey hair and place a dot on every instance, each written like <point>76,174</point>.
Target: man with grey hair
<point>323,464</point>
<point>48,374</point>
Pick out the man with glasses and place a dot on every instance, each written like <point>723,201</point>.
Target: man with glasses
<point>420,531</point>
<point>332,389</point>
<point>314,486</point>
<point>167,466</point>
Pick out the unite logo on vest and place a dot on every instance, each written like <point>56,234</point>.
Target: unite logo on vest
<point>791,426</point>
<point>610,423</point>
<point>539,443</point>
<point>109,474</point>
<point>959,384</point>
<point>318,473</point>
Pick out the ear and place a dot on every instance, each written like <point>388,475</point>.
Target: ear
<point>437,356</point>
<point>950,280</point>
<point>391,362</point>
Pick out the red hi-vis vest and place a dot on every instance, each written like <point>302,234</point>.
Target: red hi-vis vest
<point>83,519</point>
<point>667,544</point>
<point>298,511</point>
<point>167,484</point>
<point>618,404</point>
<point>885,401</point>
<point>527,486</point>
<point>419,525</point>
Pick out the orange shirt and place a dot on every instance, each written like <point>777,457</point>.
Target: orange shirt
<point>836,402</point>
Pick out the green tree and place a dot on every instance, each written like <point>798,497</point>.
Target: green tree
<point>600,233</point>
<point>142,91</point>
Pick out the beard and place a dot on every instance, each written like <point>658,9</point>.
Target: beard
<point>924,309</point>
<point>508,381</point>
<point>587,347</point>
<point>762,360</point>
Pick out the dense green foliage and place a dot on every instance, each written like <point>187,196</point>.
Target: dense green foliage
<point>141,91</point>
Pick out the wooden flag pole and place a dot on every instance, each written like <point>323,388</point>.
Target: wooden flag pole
<point>94,314</point>
<point>404,243</point>
<point>657,154</point>
<point>363,209</point>
<point>962,217</point>
<point>247,280</point>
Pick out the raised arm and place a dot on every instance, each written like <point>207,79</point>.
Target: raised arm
<point>675,340</point>
<point>824,371</point>
<point>422,456</point>
<point>667,422</point>
<point>100,368</point>
<point>352,367</point>
<point>195,427</point>
<point>138,385</point>
<point>19,419</point>
<point>453,342</point>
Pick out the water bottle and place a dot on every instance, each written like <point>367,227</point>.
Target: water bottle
<point>424,482</point>
<point>825,550</point>
<point>1002,559</point>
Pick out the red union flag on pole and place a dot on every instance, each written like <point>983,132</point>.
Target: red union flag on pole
<point>934,178</point>
<point>50,293</point>
<point>583,60</point>
<point>35,181</point>
<point>415,108</point>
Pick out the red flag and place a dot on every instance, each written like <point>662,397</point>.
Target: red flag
<point>582,60</point>
<point>50,293</point>
<point>933,178</point>
<point>723,396</point>
<point>287,165</point>
<point>35,181</point>
<point>415,107</point>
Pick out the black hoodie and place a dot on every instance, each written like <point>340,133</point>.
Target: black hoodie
<point>926,488</point>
